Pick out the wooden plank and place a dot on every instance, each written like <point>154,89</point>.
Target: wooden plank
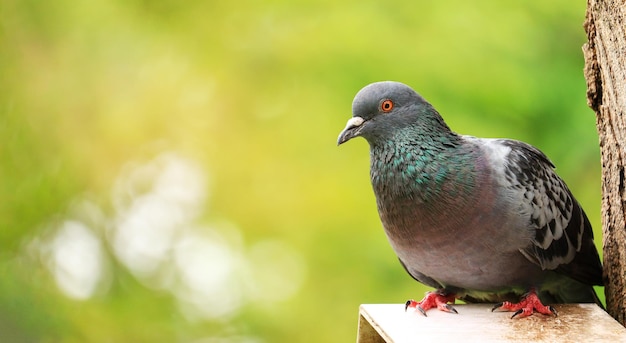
<point>476,323</point>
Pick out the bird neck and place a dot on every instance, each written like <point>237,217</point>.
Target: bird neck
<point>422,168</point>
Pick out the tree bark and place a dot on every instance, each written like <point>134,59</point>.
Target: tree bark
<point>605,72</point>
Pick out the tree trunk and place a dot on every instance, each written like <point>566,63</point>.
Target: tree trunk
<point>605,71</point>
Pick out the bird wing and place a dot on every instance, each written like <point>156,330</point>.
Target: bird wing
<point>563,239</point>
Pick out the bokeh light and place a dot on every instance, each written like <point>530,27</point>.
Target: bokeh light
<point>170,170</point>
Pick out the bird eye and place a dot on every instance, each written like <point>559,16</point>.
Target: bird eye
<point>386,105</point>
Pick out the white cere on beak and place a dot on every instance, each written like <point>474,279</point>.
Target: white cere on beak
<point>353,122</point>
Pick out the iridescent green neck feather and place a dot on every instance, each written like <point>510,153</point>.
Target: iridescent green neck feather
<point>422,167</point>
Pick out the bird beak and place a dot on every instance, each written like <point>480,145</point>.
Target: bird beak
<point>351,130</point>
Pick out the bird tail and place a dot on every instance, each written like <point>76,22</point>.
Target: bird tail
<point>597,299</point>
<point>572,291</point>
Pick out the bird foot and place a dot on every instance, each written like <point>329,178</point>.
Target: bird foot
<point>529,304</point>
<point>433,299</point>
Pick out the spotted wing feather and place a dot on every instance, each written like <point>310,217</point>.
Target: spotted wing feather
<point>563,238</point>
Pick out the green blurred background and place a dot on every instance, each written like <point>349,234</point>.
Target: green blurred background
<point>169,170</point>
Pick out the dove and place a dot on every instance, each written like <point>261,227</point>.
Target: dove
<point>477,219</point>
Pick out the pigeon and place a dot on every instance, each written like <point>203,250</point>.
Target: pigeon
<point>478,219</point>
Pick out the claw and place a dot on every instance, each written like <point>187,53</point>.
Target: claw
<point>450,308</point>
<point>414,304</point>
<point>520,311</point>
<point>433,299</point>
<point>409,303</point>
<point>422,311</point>
<point>553,310</point>
<point>496,306</point>
<point>530,303</point>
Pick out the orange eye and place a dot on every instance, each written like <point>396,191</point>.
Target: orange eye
<point>386,105</point>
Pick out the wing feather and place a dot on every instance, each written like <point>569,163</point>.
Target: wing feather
<point>563,239</point>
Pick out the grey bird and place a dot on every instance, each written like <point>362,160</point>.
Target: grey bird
<point>481,220</point>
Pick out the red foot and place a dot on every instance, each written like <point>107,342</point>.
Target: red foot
<point>529,303</point>
<point>433,299</point>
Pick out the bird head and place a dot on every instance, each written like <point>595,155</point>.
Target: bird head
<point>380,109</point>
